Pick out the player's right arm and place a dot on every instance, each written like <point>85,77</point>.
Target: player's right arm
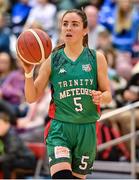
<point>35,89</point>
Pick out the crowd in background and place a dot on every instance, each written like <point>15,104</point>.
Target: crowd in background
<point>113,30</point>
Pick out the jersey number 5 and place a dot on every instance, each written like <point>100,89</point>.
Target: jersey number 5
<point>78,104</point>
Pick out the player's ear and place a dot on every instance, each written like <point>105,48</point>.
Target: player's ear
<point>86,30</point>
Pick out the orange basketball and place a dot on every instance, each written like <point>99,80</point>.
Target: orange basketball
<point>33,46</point>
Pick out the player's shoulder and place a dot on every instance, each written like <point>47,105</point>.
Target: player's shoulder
<point>57,50</point>
<point>101,60</point>
<point>100,54</point>
<point>56,54</point>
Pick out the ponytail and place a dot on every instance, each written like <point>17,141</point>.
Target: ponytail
<point>85,40</point>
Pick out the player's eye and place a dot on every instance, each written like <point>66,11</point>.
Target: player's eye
<point>65,24</point>
<point>75,24</point>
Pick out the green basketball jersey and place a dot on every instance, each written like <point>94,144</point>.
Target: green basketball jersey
<point>72,83</point>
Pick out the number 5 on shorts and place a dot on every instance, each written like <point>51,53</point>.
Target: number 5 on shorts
<point>83,165</point>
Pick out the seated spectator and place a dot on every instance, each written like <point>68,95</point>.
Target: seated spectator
<point>12,2</point>
<point>7,108</point>
<point>122,22</point>
<point>124,65</point>
<point>4,5</point>
<point>130,95</point>
<point>124,31</point>
<point>117,82</point>
<point>11,83</point>
<point>93,26</point>
<point>4,36</point>
<point>16,153</point>
<point>7,38</point>
<point>135,49</point>
<point>135,69</point>
<point>33,3</point>
<point>64,5</point>
<point>31,126</point>
<point>104,40</point>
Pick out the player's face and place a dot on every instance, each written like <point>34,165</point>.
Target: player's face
<point>4,63</point>
<point>72,28</point>
<point>3,127</point>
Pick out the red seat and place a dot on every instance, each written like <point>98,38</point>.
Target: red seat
<point>39,151</point>
<point>1,175</point>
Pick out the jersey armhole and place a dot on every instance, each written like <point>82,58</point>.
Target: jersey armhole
<point>53,56</point>
<point>93,53</point>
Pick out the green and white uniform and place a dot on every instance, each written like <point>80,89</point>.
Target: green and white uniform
<point>74,122</point>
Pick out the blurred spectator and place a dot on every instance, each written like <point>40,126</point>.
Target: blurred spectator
<point>12,2</point>
<point>124,64</point>
<point>7,65</point>
<point>136,5</point>
<point>64,5</point>
<point>31,127</point>
<point>19,14</point>
<point>121,19</point>
<point>135,50</point>
<point>94,28</point>
<point>11,83</point>
<point>135,69</point>
<point>124,31</point>
<point>4,6</point>
<point>16,153</point>
<point>97,3</point>
<point>56,35</point>
<point>4,35</point>
<point>117,82</point>
<point>32,3</point>
<point>58,39</point>
<point>44,13</point>
<point>6,108</point>
<point>104,40</point>
<point>131,93</point>
<point>106,14</point>
<point>81,4</point>
<point>7,38</point>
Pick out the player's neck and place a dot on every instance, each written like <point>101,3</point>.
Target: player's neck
<point>72,52</point>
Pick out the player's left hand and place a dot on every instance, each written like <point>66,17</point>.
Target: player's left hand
<point>96,97</point>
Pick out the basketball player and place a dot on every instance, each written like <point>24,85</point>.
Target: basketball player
<point>79,84</point>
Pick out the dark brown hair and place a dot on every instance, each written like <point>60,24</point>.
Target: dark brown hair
<point>4,117</point>
<point>13,65</point>
<point>124,18</point>
<point>83,16</point>
<point>111,50</point>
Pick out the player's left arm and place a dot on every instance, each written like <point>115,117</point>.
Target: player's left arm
<point>103,95</point>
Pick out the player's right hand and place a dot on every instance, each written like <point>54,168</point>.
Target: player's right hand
<point>26,66</point>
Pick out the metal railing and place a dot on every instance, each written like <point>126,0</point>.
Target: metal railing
<point>132,166</point>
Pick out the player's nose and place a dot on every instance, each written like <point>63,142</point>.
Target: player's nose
<point>69,27</point>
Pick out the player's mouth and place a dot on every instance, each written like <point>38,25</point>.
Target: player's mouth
<point>68,35</point>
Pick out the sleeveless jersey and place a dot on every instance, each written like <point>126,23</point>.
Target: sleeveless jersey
<point>72,83</point>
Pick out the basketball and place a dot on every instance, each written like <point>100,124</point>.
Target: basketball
<point>33,46</point>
